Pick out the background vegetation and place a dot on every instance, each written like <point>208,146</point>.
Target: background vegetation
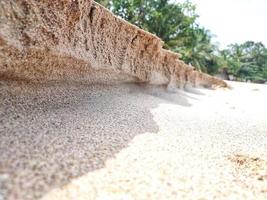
<point>175,23</point>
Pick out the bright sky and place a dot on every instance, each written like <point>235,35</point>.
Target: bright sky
<point>234,21</point>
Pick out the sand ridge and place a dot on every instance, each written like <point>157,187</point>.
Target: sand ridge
<point>67,40</point>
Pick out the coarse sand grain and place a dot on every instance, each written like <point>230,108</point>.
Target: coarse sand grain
<point>62,141</point>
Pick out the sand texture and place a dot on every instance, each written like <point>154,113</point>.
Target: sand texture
<point>62,141</point>
<point>68,39</point>
<point>81,117</point>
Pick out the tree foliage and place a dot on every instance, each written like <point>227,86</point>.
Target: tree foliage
<point>247,61</point>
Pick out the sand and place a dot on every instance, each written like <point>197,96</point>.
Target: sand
<point>127,141</point>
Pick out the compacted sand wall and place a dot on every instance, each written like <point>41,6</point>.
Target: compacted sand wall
<point>81,40</point>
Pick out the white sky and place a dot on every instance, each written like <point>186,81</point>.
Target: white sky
<point>234,21</point>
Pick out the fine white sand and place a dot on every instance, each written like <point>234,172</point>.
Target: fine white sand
<point>78,141</point>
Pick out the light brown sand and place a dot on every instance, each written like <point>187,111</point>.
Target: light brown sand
<point>73,141</point>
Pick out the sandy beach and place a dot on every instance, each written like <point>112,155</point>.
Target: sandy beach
<point>127,141</point>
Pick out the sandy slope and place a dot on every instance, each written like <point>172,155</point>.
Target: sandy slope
<point>73,141</point>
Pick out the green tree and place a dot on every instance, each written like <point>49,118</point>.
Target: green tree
<point>161,17</point>
<point>199,51</point>
<point>247,61</point>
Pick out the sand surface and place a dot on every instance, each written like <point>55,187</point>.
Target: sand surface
<point>79,141</point>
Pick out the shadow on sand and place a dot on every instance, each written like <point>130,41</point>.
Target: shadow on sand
<point>53,133</point>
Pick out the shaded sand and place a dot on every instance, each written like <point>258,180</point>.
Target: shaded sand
<point>76,141</point>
